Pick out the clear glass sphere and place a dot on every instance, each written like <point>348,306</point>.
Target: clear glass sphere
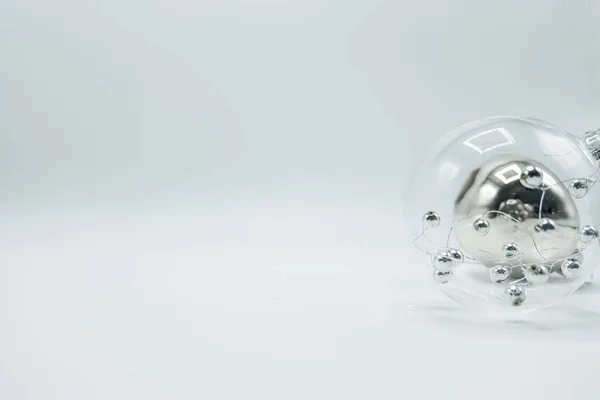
<point>505,212</point>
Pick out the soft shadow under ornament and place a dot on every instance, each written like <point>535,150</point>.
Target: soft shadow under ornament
<point>507,210</point>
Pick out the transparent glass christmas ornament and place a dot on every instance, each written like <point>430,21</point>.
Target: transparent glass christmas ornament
<point>505,211</point>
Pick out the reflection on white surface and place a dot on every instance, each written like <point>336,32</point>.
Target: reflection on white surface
<point>490,140</point>
<point>156,305</point>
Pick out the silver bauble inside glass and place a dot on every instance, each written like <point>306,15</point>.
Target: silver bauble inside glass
<point>537,214</point>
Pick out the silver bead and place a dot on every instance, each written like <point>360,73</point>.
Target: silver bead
<point>443,261</point>
<point>511,250</point>
<point>579,187</point>
<point>531,177</point>
<point>431,219</point>
<point>458,257</point>
<point>499,273</point>
<point>481,226</point>
<point>494,192</point>
<point>516,295</point>
<point>588,233</point>
<point>545,225</point>
<point>442,277</point>
<point>570,268</point>
<point>536,274</point>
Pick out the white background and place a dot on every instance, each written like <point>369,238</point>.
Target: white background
<point>203,199</point>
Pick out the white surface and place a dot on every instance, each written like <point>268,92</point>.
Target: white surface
<point>235,303</point>
<point>202,200</point>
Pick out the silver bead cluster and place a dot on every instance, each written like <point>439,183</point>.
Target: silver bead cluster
<point>511,259</point>
<point>442,277</point>
<point>515,294</point>
<point>444,262</point>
